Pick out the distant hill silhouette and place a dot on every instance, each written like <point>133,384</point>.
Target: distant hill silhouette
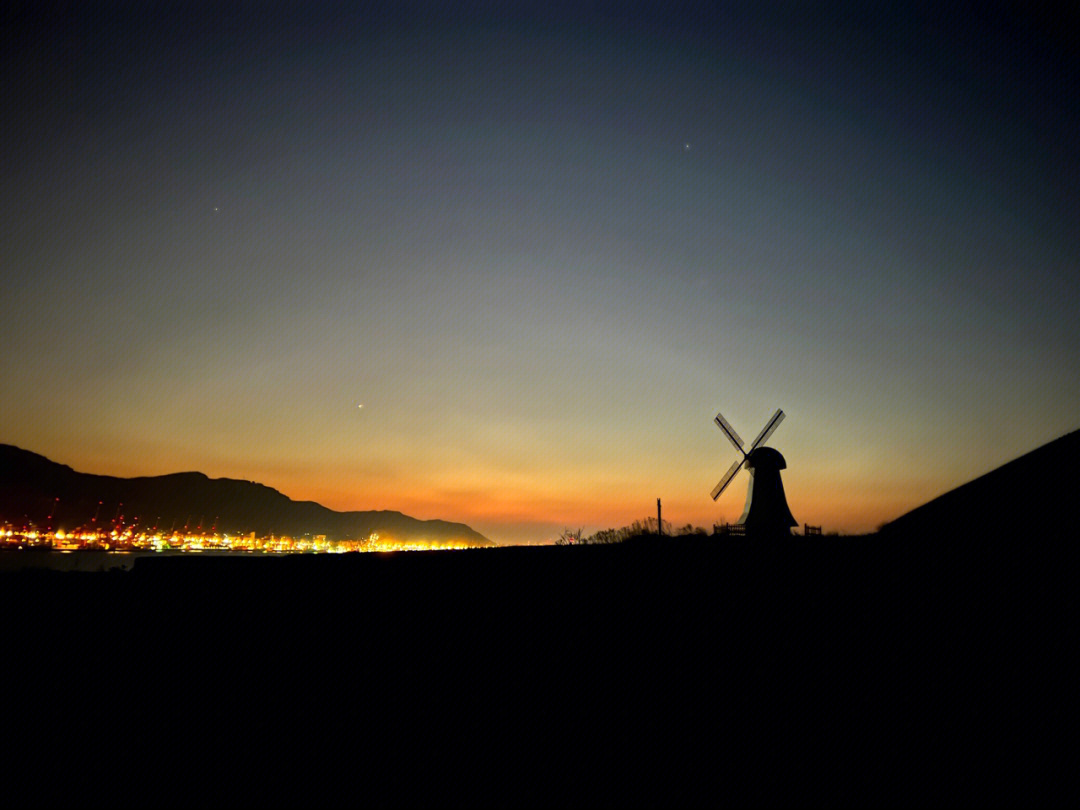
<point>30,483</point>
<point>1033,494</point>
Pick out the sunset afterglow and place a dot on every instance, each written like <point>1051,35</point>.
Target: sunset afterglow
<point>504,267</point>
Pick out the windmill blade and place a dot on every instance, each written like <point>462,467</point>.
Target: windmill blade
<point>767,431</point>
<point>729,431</point>
<point>726,479</point>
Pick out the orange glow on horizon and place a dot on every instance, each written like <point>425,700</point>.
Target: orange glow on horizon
<point>507,503</point>
<point>844,506</point>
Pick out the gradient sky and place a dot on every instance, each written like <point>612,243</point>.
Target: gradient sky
<point>542,248</point>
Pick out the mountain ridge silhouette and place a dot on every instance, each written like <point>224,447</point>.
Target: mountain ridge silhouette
<point>1035,490</point>
<point>30,483</point>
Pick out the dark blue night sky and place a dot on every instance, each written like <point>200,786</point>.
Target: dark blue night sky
<point>541,247</point>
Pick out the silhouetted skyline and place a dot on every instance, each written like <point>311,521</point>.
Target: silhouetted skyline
<point>541,248</point>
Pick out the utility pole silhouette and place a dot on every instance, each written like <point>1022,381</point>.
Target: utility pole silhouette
<point>659,523</point>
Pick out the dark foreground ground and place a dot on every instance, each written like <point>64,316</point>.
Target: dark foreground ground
<point>823,671</point>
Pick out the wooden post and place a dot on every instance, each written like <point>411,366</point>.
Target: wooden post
<point>659,523</point>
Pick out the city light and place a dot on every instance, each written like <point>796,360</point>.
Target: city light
<point>134,540</point>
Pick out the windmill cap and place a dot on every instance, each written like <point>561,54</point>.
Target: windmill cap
<point>766,457</point>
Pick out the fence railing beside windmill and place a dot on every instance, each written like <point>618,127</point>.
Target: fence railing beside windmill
<point>738,530</point>
<point>729,529</point>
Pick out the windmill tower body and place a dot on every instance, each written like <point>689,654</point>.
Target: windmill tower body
<point>766,512</point>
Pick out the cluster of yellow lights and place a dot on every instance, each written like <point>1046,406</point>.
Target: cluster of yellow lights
<point>128,540</point>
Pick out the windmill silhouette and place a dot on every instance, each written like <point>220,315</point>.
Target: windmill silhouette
<point>766,512</point>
